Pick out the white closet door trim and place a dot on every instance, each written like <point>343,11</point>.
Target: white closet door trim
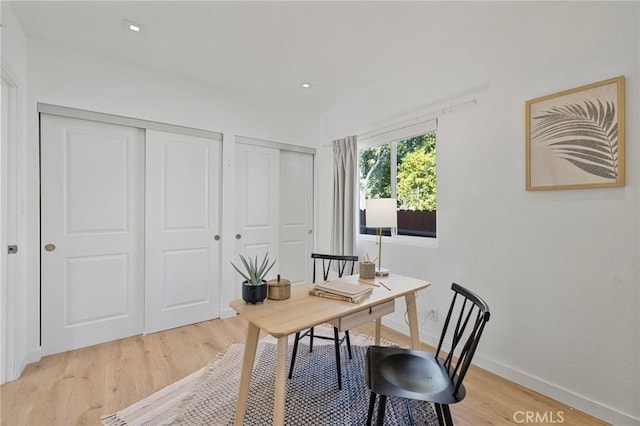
<point>126,121</point>
<point>276,145</point>
<point>8,228</point>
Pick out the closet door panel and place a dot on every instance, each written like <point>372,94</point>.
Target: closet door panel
<point>182,220</point>
<point>92,232</point>
<point>257,203</point>
<point>296,215</point>
<point>274,205</point>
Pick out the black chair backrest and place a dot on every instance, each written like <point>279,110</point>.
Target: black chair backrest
<point>470,314</point>
<point>342,263</point>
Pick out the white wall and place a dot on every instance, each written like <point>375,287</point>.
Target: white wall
<point>67,77</point>
<point>559,269</point>
<point>14,66</point>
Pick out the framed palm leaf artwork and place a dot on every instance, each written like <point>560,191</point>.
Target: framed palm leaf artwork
<point>575,138</point>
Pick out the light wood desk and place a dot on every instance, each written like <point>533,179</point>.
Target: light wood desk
<point>280,318</point>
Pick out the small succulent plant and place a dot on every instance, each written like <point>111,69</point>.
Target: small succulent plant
<point>254,273</point>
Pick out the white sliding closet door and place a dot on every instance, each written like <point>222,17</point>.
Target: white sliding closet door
<point>296,215</point>
<point>274,196</point>
<point>257,203</point>
<point>92,232</point>
<point>182,223</point>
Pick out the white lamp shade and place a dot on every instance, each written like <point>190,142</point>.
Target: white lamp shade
<point>382,213</point>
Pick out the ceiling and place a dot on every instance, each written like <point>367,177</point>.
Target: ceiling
<point>268,49</point>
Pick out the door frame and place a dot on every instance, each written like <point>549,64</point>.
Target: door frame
<point>8,221</point>
<point>276,145</point>
<point>125,121</point>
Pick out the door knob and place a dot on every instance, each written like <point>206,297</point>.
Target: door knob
<point>217,238</point>
<point>310,231</point>
<point>238,236</point>
<point>50,247</point>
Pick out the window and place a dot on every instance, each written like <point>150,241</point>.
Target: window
<point>404,169</point>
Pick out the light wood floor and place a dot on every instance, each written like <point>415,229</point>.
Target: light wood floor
<point>78,387</point>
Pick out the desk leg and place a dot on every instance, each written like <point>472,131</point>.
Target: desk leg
<point>410,300</point>
<point>281,381</point>
<point>378,326</point>
<point>247,367</point>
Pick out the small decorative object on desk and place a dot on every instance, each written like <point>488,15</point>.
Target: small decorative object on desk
<point>279,289</point>
<point>368,268</point>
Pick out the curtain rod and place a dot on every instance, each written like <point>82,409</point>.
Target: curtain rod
<point>419,119</point>
<point>411,122</point>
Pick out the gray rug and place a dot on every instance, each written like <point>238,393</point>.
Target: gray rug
<point>313,398</point>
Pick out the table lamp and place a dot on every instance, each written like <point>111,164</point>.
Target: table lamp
<point>381,213</point>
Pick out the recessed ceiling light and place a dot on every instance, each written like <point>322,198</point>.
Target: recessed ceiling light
<point>306,85</point>
<point>132,26</point>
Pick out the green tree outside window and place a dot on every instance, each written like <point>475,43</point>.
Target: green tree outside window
<point>416,172</point>
<point>414,185</point>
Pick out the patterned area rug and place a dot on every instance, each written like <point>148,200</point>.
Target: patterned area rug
<point>313,398</point>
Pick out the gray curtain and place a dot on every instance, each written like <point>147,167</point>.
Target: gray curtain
<point>345,195</point>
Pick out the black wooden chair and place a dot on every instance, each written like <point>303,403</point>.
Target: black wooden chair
<point>342,263</point>
<point>435,378</point>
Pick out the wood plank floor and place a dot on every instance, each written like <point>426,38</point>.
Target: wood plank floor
<point>78,387</point>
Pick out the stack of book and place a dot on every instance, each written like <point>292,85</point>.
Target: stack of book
<point>341,290</point>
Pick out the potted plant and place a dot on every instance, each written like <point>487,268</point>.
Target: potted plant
<point>254,288</point>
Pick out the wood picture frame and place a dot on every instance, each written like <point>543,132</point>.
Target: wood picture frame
<point>575,138</point>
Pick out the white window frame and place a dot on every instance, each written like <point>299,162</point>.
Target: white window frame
<point>388,135</point>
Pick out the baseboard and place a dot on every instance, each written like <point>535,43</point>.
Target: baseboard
<point>578,402</point>
<point>33,356</point>
<point>29,358</point>
<point>227,313</point>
